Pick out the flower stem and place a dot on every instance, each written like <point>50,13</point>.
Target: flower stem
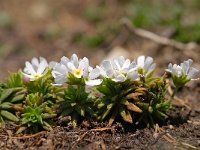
<point>175,92</point>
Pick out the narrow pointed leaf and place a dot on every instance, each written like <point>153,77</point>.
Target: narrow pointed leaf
<point>18,108</point>
<point>109,107</point>
<point>21,129</point>
<point>18,98</point>
<point>134,108</point>
<point>5,105</point>
<point>141,90</point>
<point>134,96</point>
<point>143,106</point>
<point>5,94</point>
<point>125,115</point>
<point>124,102</point>
<point>100,105</point>
<point>161,115</point>
<point>9,116</point>
<point>112,119</point>
<point>48,116</point>
<point>80,111</point>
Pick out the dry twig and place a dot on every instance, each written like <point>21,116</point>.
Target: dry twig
<point>156,38</point>
<point>30,136</point>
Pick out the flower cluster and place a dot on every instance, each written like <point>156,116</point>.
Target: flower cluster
<point>183,73</point>
<point>123,89</point>
<point>119,69</point>
<point>78,68</point>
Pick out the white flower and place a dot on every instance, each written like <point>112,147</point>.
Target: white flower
<point>60,73</point>
<point>36,69</point>
<point>184,69</point>
<point>79,68</point>
<point>91,78</point>
<point>146,64</point>
<point>119,69</point>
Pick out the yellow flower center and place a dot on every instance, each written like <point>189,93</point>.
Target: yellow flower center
<point>78,73</point>
<point>36,76</point>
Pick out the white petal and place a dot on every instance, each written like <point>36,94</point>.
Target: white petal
<point>64,60</point>
<point>133,65</point>
<point>59,69</point>
<point>152,67</point>
<point>52,64</point>
<point>35,62</point>
<point>42,67</point>
<point>74,60</point>
<point>60,79</point>
<point>27,75</point>
<point>71,66</point>
<point>109,73</point>
<point>43,59</point>
<point>169,68</point>
<point>102,72</point>
<point>192,72</point>
<point>94,74</point>
<point>148,62</point>
<point>190,61</point>
<point>93,82</point>
<point>133,75</point>
<point>126,64</point>
<point>106,65</point>
<point>30,68</point>
<point>185,67</point>
<point>140,61</point>
<point>57,84</point>
<point>84,63</point>
<point>119,78</point>
<point>121,60</point>
<point>116,64</point>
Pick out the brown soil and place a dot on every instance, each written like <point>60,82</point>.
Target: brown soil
<point>180,131</point>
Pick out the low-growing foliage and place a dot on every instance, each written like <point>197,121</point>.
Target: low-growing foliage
<point>118,89</point>
<point>36,113</point>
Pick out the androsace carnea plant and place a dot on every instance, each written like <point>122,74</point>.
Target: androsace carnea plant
<point>77,74</point>
<point>130,91</point>
<point>36,114</point>
<point>182,74</point>
<point>116,90</point>
<point>12,94</point>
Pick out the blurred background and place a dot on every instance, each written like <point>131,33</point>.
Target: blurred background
<point>93,28</point>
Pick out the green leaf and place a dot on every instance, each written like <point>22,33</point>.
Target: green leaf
<point>109,107</point>
<point>2,122</point>
<point>134,96</point>
<point>18,98</point>
<point>5,94</point>
<point>6,105</point>
<point>48,116</point>
<point>134,108</point>
<point>125,115</point>
<point>160,115</point>
<point>112,118</point>
<point>124,102</point>
<point>100,105</point>
<point>143,106</point>
<point>15,80</point>
<point>9,116</point>
<point>104,89</point>
<point>80,111</point>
